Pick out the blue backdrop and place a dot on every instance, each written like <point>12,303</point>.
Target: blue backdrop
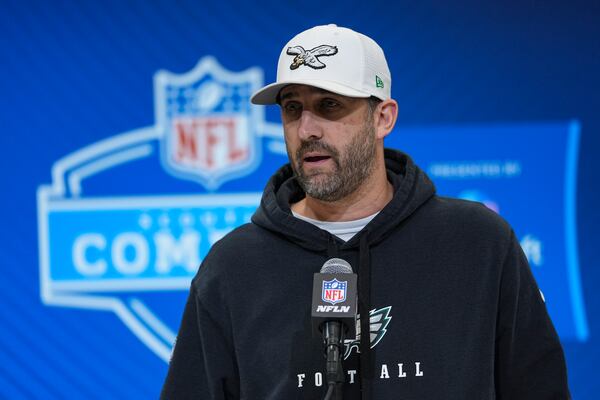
<point>128,147</point>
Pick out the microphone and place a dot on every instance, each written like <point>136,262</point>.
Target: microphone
<point>334,316</point>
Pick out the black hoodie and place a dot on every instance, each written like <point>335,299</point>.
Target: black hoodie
<point>454,310</point>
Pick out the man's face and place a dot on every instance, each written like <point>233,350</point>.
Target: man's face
<point>330,140</point>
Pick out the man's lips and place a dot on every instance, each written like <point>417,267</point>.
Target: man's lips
<point>315,158</point>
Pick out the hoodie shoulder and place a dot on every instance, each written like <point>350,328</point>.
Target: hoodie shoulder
<point>241,240</point>
<point>472,220</point>
<point>230,254</point>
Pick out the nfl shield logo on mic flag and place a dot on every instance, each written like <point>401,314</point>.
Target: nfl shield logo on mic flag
<point>334,291</point>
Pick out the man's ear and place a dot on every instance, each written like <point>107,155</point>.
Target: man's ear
<point>385,116</point>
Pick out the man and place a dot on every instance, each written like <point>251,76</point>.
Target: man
<point>453,309</point>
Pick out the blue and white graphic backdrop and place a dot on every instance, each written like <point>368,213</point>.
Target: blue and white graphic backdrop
<point>130,147</point>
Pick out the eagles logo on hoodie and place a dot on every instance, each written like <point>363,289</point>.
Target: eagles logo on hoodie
<point>378,322</point>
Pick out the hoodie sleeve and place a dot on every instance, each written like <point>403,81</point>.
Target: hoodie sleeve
<point>529,358</point>
<point>203,362</point>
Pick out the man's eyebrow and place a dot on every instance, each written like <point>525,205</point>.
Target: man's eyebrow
<point>287,95</point>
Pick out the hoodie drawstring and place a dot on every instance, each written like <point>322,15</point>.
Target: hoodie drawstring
<point>332,249</point>
<point>364,306</point>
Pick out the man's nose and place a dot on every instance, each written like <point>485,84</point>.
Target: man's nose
<point>309,128</point>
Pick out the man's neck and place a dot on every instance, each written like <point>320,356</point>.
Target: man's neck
<point>368,199</point>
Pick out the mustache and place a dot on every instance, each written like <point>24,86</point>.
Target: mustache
<point>322,147</point>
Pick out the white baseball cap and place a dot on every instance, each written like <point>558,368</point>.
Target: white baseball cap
<point>333,58</point>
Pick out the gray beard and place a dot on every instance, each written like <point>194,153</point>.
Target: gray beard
<point>353,166</point>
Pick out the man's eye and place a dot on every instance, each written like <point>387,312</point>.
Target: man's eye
<point>329,104</point>
<point>291,107</point>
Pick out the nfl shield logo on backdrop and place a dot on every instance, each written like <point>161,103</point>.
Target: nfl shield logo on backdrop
<point>334,291</point>
<point>208,123</point>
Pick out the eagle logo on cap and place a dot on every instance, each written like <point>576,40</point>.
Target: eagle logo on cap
<point>310,57</point>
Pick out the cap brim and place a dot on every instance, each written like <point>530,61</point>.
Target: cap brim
<point>268,94</point>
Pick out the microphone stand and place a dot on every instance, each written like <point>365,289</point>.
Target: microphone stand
<point>333,338</point>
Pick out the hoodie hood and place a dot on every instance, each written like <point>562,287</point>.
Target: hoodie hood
<point>412,188</point>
